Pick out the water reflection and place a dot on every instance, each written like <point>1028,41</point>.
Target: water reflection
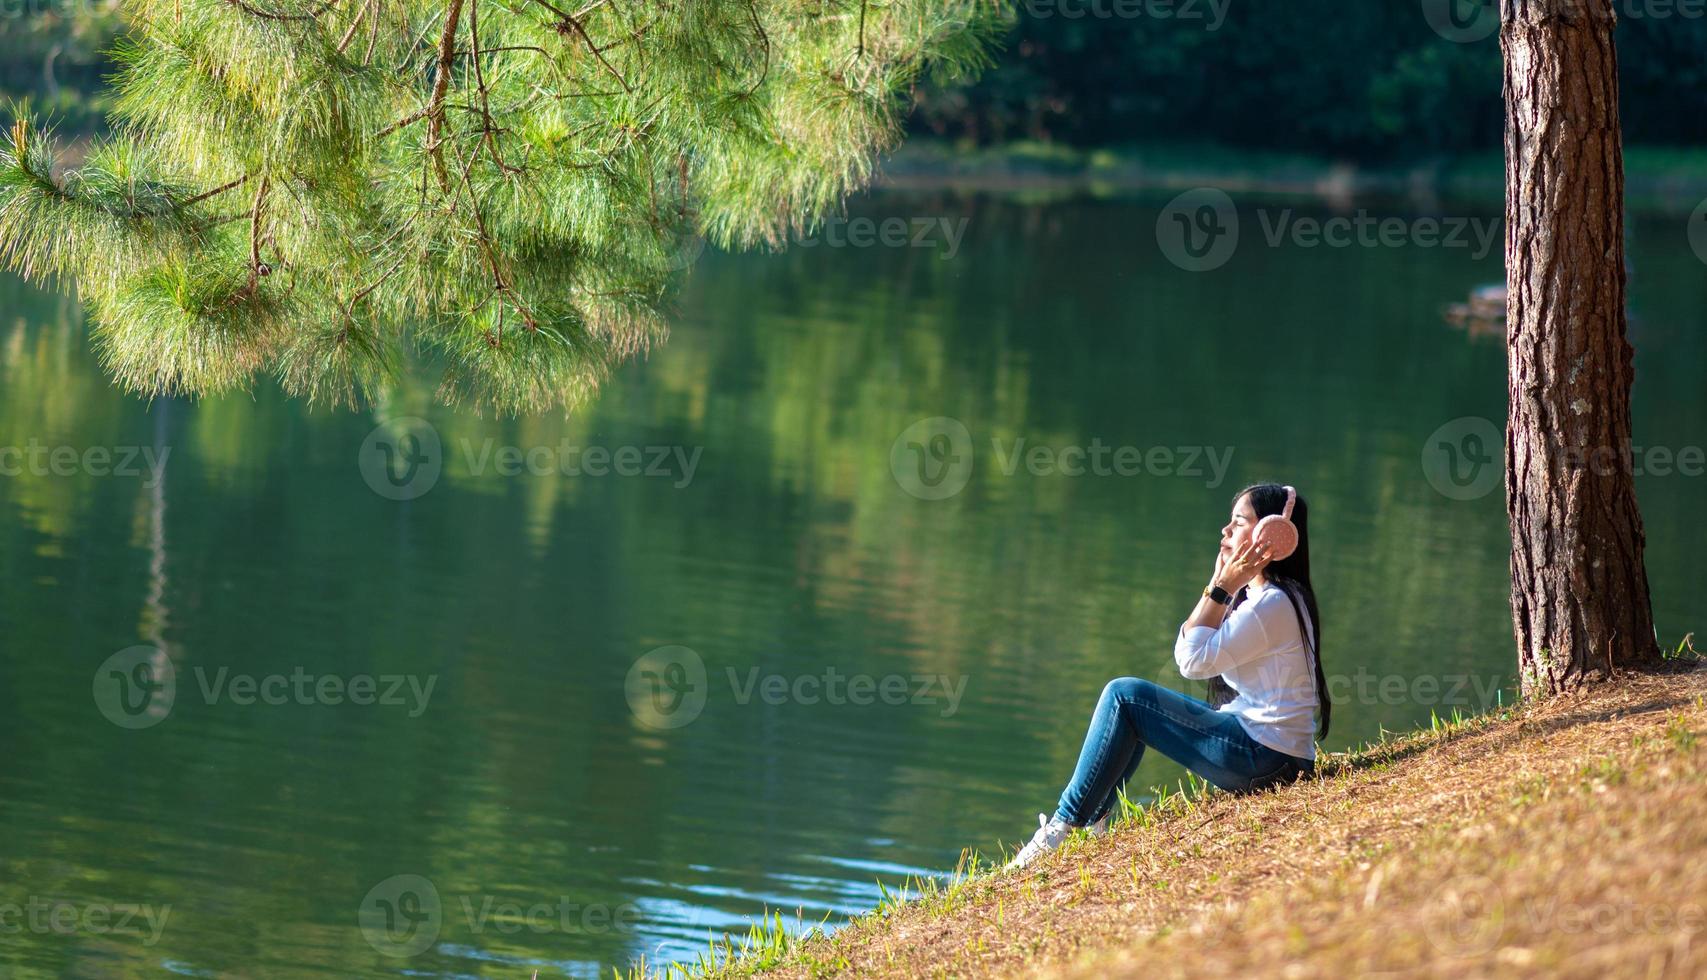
<point>792,549</point>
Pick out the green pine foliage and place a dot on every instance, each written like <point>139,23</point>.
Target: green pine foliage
<point>306,188</point>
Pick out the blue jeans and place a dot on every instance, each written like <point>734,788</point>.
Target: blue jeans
<point>1134,713</point>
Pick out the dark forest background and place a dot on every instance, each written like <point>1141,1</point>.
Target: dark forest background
<point>1369,82</point>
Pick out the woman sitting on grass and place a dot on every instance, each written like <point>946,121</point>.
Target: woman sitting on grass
<point>1265,735</point>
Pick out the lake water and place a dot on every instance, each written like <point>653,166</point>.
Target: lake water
<point>902,624</point>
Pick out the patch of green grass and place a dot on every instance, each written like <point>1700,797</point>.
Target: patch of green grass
<point>1607,771</point>
<point>1530,790</point>
<point>1679,734</point>
<point>1685,649</point>
<point>765,944</point>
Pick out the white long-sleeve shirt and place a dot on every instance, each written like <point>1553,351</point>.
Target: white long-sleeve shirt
<point>1260,653</point>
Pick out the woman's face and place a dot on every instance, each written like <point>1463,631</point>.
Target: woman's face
<point>1239,527</point>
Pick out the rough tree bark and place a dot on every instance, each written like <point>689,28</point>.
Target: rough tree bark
<point>1579,591</point>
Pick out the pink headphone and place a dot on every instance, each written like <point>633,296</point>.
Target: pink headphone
<point>1276,532</point>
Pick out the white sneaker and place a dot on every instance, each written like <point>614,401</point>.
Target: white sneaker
<point>1052,832</point>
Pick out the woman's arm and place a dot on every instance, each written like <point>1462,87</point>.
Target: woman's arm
<point>1231,575</point>
<point>1204,649</point>
<point>1207,612</point>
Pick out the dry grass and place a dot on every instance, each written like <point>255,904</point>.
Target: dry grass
<point>1565,839</point>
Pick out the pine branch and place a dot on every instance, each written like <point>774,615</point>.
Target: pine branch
<point>753,12</point>
<point>488,130</point>
<point>441,85</point>
<point>350,33</point>
<point>221,189</point>
<point>373,36</point>
<point>256,211</point>
<point>273,15</point>
<point>487,248</point>
<point>413,117</point>
<point>566,23</point>
<point>537,195</point>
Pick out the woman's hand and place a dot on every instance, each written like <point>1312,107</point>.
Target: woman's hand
<point>1237,572</point>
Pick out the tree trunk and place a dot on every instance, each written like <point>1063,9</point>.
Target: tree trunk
<point>1579,592</point>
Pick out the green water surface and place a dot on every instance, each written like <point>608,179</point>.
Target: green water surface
<point>550,807</point>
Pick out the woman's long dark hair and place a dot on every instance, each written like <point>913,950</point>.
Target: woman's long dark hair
<point>1292,575</point>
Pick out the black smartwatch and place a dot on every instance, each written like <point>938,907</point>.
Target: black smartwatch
<point>1217,594</point>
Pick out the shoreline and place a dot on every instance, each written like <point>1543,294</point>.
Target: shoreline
<point>1444,849</point>
<point>1656,179</point>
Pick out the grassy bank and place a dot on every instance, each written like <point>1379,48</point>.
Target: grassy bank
<point>1655,177</point>
<point>1563,838</point>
